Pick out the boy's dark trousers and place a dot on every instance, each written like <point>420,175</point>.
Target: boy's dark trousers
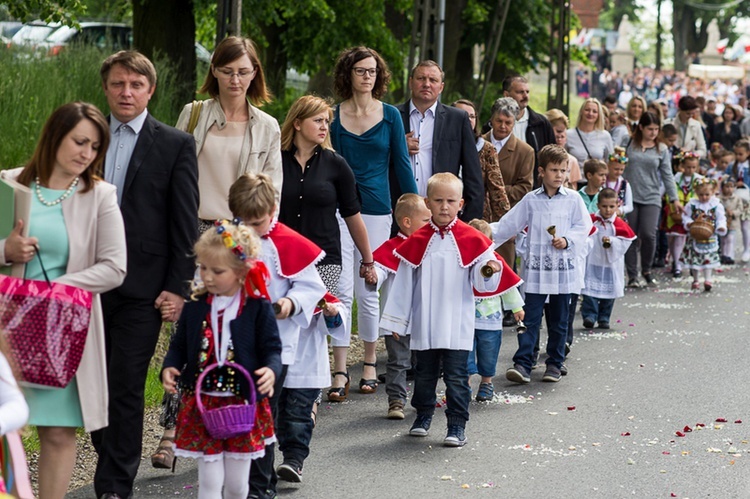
<point>557,321</point>
<point>455,376</point>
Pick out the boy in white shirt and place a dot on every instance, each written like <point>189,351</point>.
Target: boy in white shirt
<point>433,294</point>
<point>558,225</point>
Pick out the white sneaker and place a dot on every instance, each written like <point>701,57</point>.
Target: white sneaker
<point>746,256</point>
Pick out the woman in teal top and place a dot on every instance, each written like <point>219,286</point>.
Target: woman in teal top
<point>77,226</point>
<point>369,134</point>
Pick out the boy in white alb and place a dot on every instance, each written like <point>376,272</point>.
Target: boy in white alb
<point>295,288</point>
<point>310,372</point>
<point>605,266</point>
<point>558,225</point>
<point>433,293</point>
<point>411,215</point>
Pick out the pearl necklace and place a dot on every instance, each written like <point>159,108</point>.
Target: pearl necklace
<point>68,192</point>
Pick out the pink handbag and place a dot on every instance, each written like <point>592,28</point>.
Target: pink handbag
<point>46,324</point>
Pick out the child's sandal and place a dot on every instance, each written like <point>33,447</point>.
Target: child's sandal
<point>339,394</point>
<point>368,386</point>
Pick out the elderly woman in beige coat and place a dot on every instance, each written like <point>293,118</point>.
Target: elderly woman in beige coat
<point>516,160</point>
<point>77,226</point>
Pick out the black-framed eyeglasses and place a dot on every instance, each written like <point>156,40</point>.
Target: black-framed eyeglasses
<point>373,72</point>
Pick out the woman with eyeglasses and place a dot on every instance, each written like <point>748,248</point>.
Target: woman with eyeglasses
<point>232,137</point>
<point>370,135</point>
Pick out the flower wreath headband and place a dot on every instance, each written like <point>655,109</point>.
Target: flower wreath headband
<point>704,181</point>
<point>619,158</point>
<point>226,237</point>
<point>685,155</point>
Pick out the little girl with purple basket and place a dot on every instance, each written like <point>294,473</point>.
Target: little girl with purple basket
<point>228,328</point>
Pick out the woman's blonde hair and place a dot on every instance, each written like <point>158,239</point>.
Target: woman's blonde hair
<point>629,107</point>
<point>599,125</point>
<point>555,116</point>
<point>252,196</point>
<point>213,244</point>
<point>303,108</point>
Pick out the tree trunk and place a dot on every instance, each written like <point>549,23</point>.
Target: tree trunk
<point>679,34</point>
<point>274,60</point>
<point>454,27</point>
<point>396,22</point>
<point>321,83</point>
<point>697,41</point>
<point>463,80</point>
<point>165,29</point>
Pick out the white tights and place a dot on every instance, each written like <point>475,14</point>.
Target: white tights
<point>707,273</point>
<point>727,244</point>
<point>676,244</point>
<point>229,473</point>
<point>746,234</point>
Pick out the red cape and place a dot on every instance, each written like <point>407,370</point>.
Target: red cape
<point>296,252</point>
<point>469,242</point>
<point>384,257</point>
<point>622,229</point>
<point>508,280</point>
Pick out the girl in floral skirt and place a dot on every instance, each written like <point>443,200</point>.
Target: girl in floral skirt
<point>672,218</point>
<point>703,255</point>
<point>225,322</point>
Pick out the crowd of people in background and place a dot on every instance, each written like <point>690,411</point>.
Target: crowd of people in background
<point>427,214</point>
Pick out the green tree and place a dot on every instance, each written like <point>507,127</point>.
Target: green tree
<point>65,11</point>
<point>690,22</point>
<point>309,35</point>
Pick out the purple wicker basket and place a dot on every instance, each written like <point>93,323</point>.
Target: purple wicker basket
<point>231,420</point>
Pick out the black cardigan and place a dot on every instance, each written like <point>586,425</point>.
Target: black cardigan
<point>255,336</point>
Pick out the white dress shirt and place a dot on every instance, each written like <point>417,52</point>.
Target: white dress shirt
<point>423,127</point>
<point>498,144</point>
<point>522,123</point>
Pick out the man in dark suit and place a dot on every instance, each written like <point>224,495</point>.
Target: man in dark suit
<point>531,127</point>
<point>155,169</point>
<point>440,138</point>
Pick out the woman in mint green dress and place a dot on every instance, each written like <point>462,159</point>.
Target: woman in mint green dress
<point>76,225</point>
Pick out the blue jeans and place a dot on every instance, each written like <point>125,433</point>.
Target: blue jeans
<point>483,357</point>
<point>455,376</point>
<point>557,325</point>
<point>597,309</point>
<point>294,426</point>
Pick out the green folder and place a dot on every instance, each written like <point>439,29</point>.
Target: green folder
<point>15,203</point>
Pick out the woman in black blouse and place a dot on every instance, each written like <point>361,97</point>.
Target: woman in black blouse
<point>317,181</point>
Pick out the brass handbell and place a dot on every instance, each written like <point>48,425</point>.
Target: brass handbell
<point>606,243</point>
<point>487,271</point>
<point>551,230</point>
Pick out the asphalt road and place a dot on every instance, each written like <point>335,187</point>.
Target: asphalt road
<point>675,360</point>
